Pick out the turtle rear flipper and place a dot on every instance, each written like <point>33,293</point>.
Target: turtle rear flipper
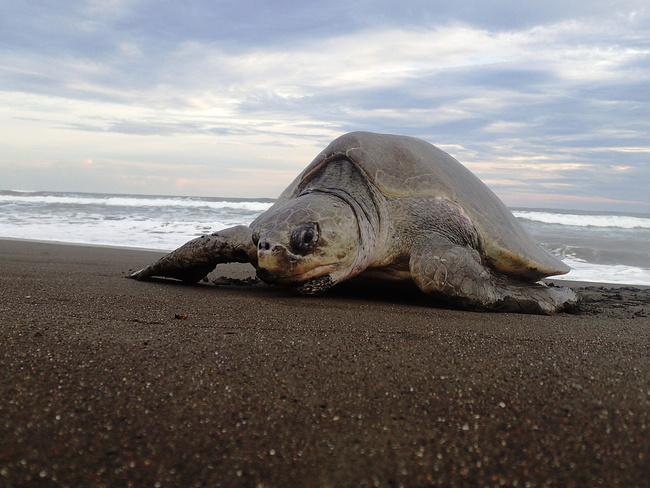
<point>456,274</point>
<point>196,259</point>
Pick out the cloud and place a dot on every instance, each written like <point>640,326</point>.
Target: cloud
<point>551,96</point>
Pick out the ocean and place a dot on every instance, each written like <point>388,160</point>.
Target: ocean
<point>604,247</point>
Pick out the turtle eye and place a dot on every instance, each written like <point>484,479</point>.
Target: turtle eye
<point>304,238</point>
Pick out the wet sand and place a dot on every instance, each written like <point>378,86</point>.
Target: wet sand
<point>107,381</point>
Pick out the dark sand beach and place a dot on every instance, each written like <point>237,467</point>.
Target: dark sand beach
<point>107,381</point>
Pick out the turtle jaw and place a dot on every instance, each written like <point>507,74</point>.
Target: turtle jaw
<point>284,268</point>
<point>303,284</point>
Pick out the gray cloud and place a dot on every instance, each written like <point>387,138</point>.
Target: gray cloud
<point>500,84</point>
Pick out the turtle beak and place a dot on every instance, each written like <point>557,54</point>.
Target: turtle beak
<point>277,264</point>
<point>274,259</point>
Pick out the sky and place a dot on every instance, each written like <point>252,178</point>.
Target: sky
<point>547,102</point>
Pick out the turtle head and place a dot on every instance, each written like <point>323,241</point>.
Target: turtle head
<point>310,241</point>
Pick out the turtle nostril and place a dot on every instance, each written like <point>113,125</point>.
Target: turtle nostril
<point>264,245</point>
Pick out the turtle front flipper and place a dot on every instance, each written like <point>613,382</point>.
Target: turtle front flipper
<point>456,274</point>
<point>194,260</point>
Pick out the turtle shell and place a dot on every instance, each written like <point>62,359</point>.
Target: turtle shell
<point>405,167</point>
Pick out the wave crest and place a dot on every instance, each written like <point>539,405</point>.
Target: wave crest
<point>585,220</point>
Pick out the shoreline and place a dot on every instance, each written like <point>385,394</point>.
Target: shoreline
<point>559,281</point>
<point>112,382</point>
<point>84,244</point>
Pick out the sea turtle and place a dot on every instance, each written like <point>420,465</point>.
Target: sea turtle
<point>390,205</point>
